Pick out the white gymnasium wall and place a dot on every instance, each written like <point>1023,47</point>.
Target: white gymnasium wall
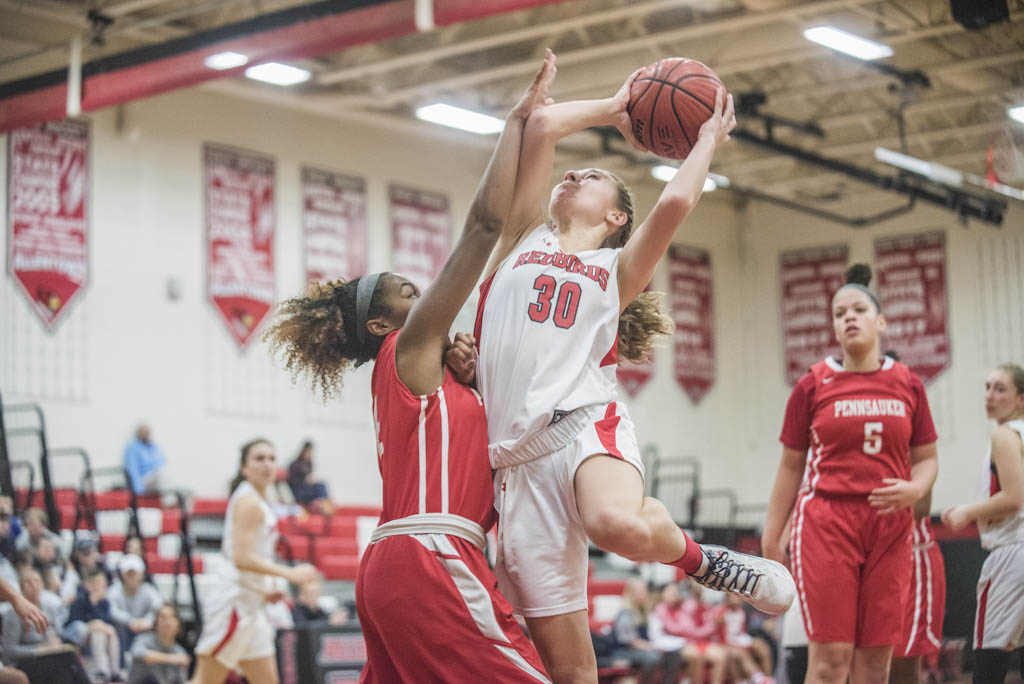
<point>734,430</point>
<point>126,353</point>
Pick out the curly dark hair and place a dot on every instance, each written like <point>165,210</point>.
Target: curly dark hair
<point>317,332</point>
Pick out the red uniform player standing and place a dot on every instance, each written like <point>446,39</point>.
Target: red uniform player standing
<point>863,429</point>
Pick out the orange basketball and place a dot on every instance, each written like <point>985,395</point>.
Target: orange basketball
<point>669,101</point>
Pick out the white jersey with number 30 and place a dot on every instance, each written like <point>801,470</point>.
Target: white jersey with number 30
<point>547,332</point>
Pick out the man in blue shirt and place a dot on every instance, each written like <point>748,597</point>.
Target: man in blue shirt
<point>144,462</point>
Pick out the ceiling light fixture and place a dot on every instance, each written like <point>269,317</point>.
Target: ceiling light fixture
<point>1016,113</point>
<point>226,60</point>
<point>277,74</point>
<point>665,173</point>
<point>843,41</point>
<point>463,119</point>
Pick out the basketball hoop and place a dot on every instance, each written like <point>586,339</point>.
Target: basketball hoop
<point>1005,158</point>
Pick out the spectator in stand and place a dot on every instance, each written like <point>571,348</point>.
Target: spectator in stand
<point>133,601</point>
<point>750,658</point>
<point>8,535</point>
<point>311,494</point>
<point>47,561</point>
<point>85,556</point>
<point>632,642</point>
<point>32,618</point>
<point>22,642</point>
<point>308,610</point>
<point>91,626</point>
<point>157,657</point>
<point>7,570</point>
<point>37,527</point>
<point>690,617</point>
<point>145,462</point>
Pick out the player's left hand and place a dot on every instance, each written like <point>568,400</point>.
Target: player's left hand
<point>895,496</point>
<point>460,356</point>
<point>721,122</point>
<point>536,95</point>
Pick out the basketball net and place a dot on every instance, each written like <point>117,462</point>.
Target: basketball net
<point>1005,162</point>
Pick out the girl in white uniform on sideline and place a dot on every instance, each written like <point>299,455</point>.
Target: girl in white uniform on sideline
<point>236,631</point>
<point>999,512</point>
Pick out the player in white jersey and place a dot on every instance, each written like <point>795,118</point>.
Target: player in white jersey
<point>566,459</point>
<point>999,512</point>
<point>236,632</point>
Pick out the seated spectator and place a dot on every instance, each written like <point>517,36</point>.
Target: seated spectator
<point>7,570</point>
<point>157,657</point>
<point>48,563</point>
<point>311,494</point>
<point>23,642</point>
<point>85,556</point>
<point>750,658</point>
<point>91,626</point>
<point>690,618</point>
<point>145,463</point>
<point>133,601</point>
<point>37,527</point>
<point>309,609</point>
<point>9,536</point>
<point>630,635</point>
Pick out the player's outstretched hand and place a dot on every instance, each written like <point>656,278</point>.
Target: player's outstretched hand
<point>621,102</point>
<point>461,358</point>
<point>896,495</point>
<point>536,94</point>
<point>722,121</point>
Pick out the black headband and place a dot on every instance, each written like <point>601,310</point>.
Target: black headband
<point>364,293</point>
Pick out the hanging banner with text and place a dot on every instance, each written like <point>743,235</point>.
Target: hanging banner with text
<point>421,229</point>
<point>240,223</point>
<point>694,337</point>
<point>48,214</point>
<point>333,225</point>
<point>809,278</point>
<point>911,286</point>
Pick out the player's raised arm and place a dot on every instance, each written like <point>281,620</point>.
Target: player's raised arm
<point>422,340</point>
<point>648,244</point>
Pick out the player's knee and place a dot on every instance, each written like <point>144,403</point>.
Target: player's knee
<point>831,664</point>
<point>616,531</point>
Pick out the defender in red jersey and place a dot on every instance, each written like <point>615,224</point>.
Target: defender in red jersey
<point>862,429</point>
<point>427,600</point>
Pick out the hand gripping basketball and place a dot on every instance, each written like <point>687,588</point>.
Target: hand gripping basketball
<point>671,100</point>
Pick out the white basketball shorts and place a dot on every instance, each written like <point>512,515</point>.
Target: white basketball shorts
<point>235,627</point>
<point>542,546</point>
<point>999,622</point>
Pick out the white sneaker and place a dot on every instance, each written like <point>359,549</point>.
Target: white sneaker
<point>763,583</point>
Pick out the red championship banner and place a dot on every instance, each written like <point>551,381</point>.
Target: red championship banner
<point>333,225</point>
<point>240,224</point>
<point>421,230</point>
<point>911,283</point>
<point>48,214</point>
<point>809,278</point>
<point>690,295</point>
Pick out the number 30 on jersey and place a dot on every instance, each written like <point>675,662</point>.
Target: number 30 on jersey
<point>566,303</point>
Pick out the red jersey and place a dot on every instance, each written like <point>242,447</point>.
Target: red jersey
<point>859,426</point>
<point>431,449</point>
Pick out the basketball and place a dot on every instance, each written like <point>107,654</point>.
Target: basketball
<point>668,103</point>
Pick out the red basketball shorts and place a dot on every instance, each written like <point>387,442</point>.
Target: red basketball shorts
<point>431,613</point>
<point>852,568</point>
<point>922,625</point>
